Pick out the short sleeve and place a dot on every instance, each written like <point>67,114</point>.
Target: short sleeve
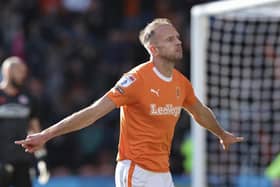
<point>190,98</point>
<point>127,90</point>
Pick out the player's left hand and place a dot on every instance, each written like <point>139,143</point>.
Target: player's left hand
<point>228,138</point>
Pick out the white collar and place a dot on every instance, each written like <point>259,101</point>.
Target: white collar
<point>161,76</point>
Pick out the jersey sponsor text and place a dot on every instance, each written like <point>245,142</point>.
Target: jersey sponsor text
<point>168,109</point>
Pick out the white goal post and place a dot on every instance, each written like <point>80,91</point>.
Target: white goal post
<point>199,37</point>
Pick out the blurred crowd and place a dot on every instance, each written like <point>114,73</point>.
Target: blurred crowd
<point>76,50</point>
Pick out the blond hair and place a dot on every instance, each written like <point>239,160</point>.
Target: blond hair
<point>8,63</point>
<point>146,34</point>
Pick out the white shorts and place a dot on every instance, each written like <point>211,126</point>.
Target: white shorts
<point>129,174</point>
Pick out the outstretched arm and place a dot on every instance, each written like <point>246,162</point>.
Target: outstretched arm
<point>74,122</point>
<point>205,117</point>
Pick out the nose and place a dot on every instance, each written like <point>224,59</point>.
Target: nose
<point>178,41</point>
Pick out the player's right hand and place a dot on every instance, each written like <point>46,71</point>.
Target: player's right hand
<point>32,142</point>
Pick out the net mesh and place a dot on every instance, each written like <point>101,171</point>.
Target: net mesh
<point>243,89</point>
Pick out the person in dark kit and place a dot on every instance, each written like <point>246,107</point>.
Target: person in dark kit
<point>18,118</point>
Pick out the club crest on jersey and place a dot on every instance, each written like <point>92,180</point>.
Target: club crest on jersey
<point>119,89</point>
<point>126,80</point>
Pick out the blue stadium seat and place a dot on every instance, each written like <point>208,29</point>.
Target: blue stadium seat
<point>253,180</point>
<point>61,181</point>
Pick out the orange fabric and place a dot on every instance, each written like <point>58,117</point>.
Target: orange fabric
<point>150,108</point>
<point>130,173</point>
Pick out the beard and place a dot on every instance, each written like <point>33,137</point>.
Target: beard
<point>172,57</point>
<point>17,85</point>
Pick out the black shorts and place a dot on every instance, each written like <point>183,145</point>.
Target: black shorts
<point>16,175</point>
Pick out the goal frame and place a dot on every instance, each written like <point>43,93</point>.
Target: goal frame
<point>199,38</point>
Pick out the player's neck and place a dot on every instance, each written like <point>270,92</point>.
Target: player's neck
<point>8,88</point>
<point>165,68</point>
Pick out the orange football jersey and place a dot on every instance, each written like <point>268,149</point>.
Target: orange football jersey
<point>150,107</point>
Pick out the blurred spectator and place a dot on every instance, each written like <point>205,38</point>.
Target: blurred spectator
<point>273,171</point>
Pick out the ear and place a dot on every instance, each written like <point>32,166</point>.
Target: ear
<point>153,50</point>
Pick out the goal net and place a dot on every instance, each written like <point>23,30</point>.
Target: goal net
<point>236,72</point>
